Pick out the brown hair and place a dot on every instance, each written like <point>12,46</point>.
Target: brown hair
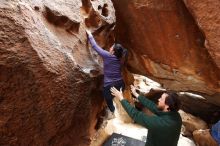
<point>172,100</point>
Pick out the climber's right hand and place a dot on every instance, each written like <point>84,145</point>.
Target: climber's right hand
<point>88,32</point>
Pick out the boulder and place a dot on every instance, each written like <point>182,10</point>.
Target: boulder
<point>51,80</point>
<point>204,138</point>
<point>191,123</point>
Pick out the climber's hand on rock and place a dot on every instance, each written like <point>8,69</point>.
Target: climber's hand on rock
<point>88,32</point>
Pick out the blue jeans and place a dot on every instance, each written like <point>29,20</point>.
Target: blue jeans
<point>109,97</point>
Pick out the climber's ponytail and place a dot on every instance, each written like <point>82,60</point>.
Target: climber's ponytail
<point>121,53</point>
<point>124,57</point>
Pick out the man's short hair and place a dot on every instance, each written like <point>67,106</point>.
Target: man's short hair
<point>172,100</point>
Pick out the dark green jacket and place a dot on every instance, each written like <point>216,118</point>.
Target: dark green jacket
<point>163,127</point>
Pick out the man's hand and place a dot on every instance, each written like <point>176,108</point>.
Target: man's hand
<point>116,93</point>
<point>133,91</point>
<point>88,32</point>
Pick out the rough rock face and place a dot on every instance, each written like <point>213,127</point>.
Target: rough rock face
<point>203,109</point>
<point>167,45</point>
<point>191,123</point>
<point>206,14</point>
<point>49,77</point>
<point>204,138</point>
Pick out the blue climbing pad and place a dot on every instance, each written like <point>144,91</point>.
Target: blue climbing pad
<point>215,131</point>
<point>121,140</point>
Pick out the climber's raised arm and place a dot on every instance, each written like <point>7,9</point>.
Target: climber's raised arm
<point>95,46</point>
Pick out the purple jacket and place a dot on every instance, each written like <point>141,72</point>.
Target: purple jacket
<point>112,65</point>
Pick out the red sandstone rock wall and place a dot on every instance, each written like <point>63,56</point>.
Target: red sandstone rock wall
<point>50,80</point>
<point>206,14</point>
<point>50,83</point>
<point>168,44</point>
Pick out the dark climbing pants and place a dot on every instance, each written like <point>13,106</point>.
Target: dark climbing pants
<point>109,97</point>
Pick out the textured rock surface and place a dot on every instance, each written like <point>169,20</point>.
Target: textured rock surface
<point>206,14</point>
<point>191,123</point>
<point>203,109</point>
<point>49,78</point>
<point>204,138</point>
<point>167,45</point>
